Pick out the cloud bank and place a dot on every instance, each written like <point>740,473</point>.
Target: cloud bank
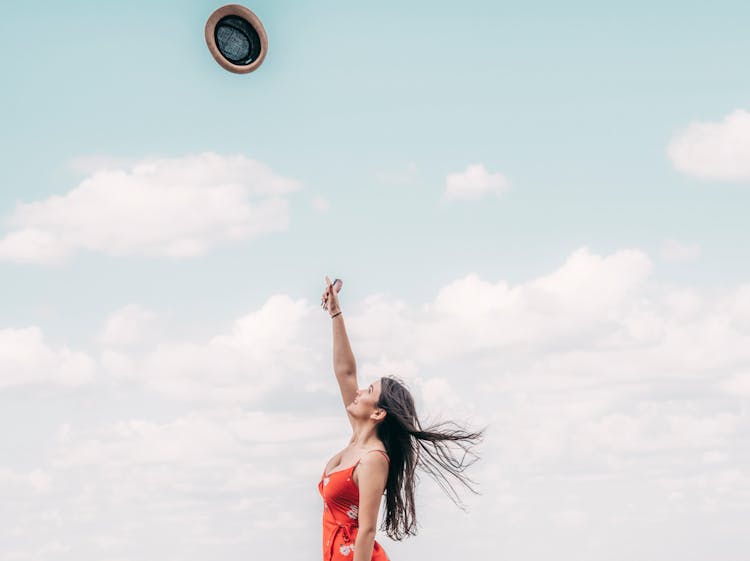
<point>613,402</point>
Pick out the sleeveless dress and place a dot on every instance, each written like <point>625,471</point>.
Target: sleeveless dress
<point>340,515</point>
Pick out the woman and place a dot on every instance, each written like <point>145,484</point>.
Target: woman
<point>387,445</point>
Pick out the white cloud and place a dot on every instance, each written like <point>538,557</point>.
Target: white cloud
<point>212,437</point>
<point>211,472</point>
<point>129,325</point>
<point>26,358</point>
<point>714,150</point>
<point>37,480</point>
<point>473,183</point>
<point>172,207</point>
<point>583,297</point>
<point>673,250</point>
<point>738,385</point>
<point>438,394</point>
<point>571,518</point>
<point>53,548</point>
<point>263,351</point>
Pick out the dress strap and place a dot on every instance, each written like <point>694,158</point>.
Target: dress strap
<point>381,451</point>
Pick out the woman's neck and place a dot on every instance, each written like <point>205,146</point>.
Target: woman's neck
<point>365,436</point>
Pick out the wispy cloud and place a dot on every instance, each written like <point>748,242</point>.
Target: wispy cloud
<point>129,325</point>
<point>320,204</point>
<point>673,250</point>
<point>474,183</point>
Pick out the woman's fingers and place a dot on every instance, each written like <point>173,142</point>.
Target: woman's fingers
<point>330,292</point>
<point>324,298</point>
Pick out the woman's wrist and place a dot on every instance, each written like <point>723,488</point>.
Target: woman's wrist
<point>335,313</point>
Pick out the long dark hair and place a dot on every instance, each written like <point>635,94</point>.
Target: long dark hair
<point>410,446</point>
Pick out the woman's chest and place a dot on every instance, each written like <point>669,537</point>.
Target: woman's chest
<point>342,460</point>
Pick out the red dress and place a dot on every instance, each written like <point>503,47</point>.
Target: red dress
<point>340,515</point>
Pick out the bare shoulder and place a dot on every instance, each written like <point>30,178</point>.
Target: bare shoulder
<point>371,474</point>
<point>374,462</point>
<point>377,454</point>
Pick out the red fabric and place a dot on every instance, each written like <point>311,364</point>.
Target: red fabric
<point>340,515</point>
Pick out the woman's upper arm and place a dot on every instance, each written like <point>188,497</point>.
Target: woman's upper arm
<point>348,386</point>
<point>373,476</point>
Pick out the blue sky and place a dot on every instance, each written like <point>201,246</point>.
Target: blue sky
<point>369,109</point>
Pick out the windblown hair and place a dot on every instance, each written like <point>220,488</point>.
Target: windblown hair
<point>410,446</point>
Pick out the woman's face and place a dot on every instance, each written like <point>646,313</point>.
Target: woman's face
<point>366,399</point>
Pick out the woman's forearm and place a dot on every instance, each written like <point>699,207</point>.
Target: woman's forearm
<point>363,545</point>
<point>343,357</point>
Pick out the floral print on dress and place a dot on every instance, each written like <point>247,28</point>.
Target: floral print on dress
<point>353,511</point>
<point>346,548</point>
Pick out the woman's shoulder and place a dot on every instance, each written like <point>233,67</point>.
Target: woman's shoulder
<point>382,451</point>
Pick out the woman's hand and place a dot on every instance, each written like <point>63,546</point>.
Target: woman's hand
<point>330,299</point>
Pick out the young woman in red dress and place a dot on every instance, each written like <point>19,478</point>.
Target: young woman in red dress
<point>387,445</point>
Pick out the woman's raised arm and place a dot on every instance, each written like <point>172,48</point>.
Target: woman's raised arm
<point>344,365</point>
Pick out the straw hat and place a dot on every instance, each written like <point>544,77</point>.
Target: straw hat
<point>236,38</point>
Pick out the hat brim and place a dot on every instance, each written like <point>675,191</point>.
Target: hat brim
<point>249,17</point>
